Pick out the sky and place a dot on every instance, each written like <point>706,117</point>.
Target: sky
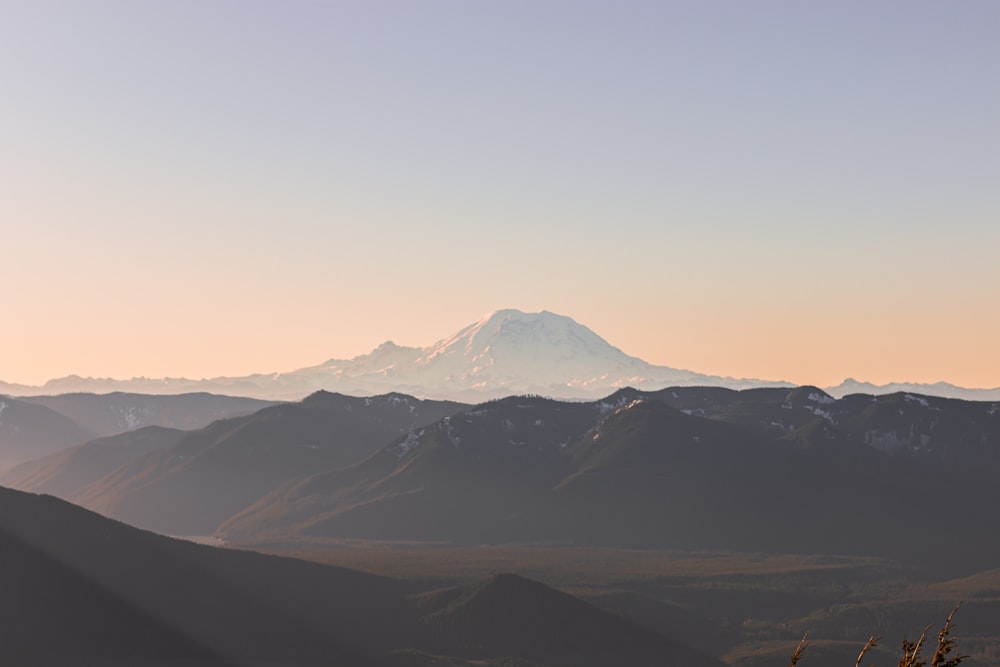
<point>799,191</point>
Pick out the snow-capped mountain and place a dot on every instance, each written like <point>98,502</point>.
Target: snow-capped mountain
<point>506,352</point>
<point>510,347</point>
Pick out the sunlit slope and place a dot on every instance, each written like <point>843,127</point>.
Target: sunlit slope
<point>65,473</point>
<point>194,484</point>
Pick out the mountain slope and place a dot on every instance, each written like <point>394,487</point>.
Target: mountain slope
<point>790,470</point>
<point>29,431</point>
<point>505,352</point>
<point>210,474</point>
<point>81,589</point>
<point>458,479</point>
<point>510,613</point>
<point>84,590</point>
<point>66,473</point>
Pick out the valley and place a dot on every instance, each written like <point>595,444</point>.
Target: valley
<point>745,608</point>
<point>522,333</point>
<point>712,523</point>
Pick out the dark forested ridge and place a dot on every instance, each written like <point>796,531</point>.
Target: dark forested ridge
<point>759,469</point>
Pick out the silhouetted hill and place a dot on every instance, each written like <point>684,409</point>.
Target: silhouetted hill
<point>84,590</point>
<point>81,589</point>
<point>508,613</point>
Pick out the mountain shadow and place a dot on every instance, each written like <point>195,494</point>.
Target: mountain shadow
<point>85,590</point>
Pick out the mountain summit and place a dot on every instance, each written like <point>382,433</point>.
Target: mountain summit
<point>521,351</point>
<point>506,352</point>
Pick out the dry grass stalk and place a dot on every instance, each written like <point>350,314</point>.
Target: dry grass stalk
<point>911,651</point>
<point>797,654</point>
<point>943,653</point>
<point>869,645</point>
<point>947,644</point>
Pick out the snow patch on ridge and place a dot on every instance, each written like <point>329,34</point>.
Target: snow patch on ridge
<point>825,414</point>
<point>411,441</point>
<point>612,405</point>
<point>822,399</point>
<point>130,416</point>
<point>449,432</point>
<point>630,405</point>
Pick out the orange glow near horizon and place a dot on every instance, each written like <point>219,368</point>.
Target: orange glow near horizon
<point>235,346</point>
<point>791,191</point>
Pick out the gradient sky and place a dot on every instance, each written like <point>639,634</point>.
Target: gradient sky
<point>790,190</point>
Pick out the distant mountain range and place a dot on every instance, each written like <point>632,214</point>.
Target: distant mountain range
<point>942,389</point>
<point>680,468</point>
<point>507,352</point>
<point>683,468</point>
